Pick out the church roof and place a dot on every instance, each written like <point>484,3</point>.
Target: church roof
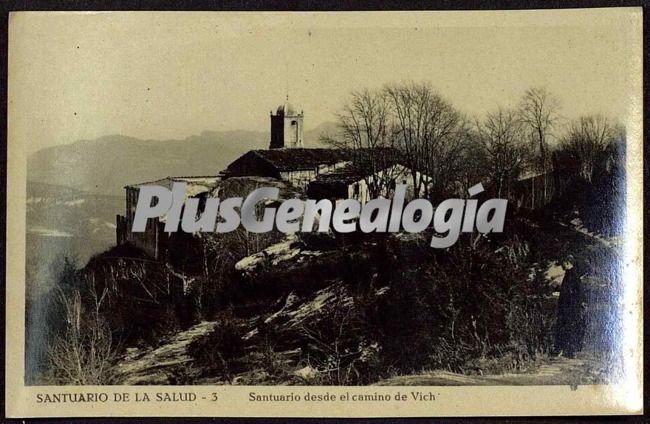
<point>300,158</point>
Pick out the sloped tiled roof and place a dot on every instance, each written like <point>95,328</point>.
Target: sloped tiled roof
<point>347,174</point>
<point>301,158</point>
<point>294,159</point>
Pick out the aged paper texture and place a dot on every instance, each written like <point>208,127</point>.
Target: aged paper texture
<point>367,214</point>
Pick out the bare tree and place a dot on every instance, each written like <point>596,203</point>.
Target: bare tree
<point>502,138</point>
<point>474,163</point>
<point>364,128</point>
<point>539,113</point>
<point>430,133</point>
<point>589,142</point>
<point>84,352</point>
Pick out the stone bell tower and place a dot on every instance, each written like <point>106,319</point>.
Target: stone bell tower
<point>286,127</point>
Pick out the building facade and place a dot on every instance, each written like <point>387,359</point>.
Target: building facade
<point>154,240</point>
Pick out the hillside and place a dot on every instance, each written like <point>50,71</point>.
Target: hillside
<point>106,164</point>
<point>330,310</point>
<point>320,308</point>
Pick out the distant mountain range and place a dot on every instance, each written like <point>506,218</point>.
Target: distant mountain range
<point>105,165</point>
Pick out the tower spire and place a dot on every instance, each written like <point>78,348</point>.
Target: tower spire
<point>286,124</point>
<point>286,76</point>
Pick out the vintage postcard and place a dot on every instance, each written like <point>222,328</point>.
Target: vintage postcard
<point>360,214</point>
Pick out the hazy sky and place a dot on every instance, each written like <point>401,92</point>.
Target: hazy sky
<point>170,75</point>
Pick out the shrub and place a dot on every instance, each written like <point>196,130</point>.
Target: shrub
<point>84,352</point>
<point>217,351</point>
<point>471,301</point>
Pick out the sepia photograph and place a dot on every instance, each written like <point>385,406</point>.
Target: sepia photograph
<point>297,203</point>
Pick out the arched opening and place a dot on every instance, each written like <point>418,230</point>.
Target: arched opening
<point>294,133</point>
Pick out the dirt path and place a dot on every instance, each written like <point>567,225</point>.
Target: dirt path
<point>553,371</point>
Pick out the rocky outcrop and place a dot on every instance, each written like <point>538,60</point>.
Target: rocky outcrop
<point>165,364</point>
<point>283,340</point>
